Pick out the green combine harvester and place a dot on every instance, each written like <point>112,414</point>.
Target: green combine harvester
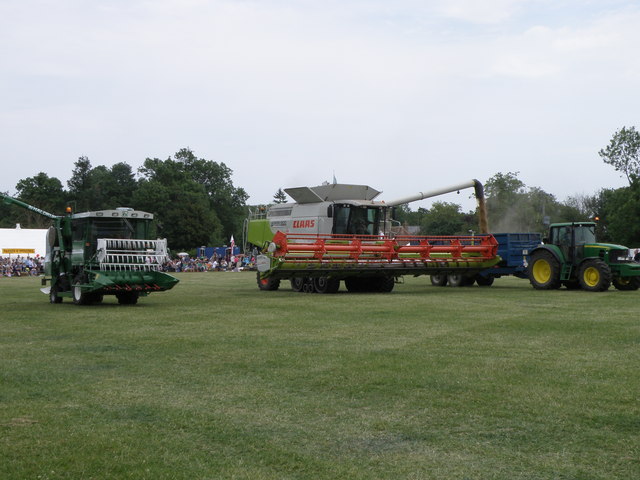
<point>104,252</point>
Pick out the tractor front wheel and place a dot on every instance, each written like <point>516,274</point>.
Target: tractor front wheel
<point>544,271</point>
<point>595,275</point>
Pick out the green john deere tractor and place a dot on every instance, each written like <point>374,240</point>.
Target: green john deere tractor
<point>571,257</point>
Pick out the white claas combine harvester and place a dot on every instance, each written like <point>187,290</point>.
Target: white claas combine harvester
<point>339,232</point>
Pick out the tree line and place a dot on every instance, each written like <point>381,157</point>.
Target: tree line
<point>195,202</point>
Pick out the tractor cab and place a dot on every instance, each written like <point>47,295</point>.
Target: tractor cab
<point>571,239</point>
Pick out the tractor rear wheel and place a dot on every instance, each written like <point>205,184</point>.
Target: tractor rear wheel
<point>439,280</point>
<point>544,271</point>
<point>594,275</point>
<point>267,283</point>
<point>626,283</point>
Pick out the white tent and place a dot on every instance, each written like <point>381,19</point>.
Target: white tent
<point>26,242</point>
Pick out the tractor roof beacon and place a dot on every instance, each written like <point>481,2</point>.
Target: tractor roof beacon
<point>572,257</point>
<point>339,232</point>
<point>104,252</point>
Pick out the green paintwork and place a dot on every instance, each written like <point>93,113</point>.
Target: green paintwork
<point>72,263</point>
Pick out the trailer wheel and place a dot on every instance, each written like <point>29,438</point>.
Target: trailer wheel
<point>544,271</point>
<point>626,283</point>
<point>439,280</point>
<point>326,285</point>
<point>267,283</point>
<point>382,284</point>
<point>297,284</point>
<point>595,275</point>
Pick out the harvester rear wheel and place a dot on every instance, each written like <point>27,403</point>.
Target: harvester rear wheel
<point>544,271</point>
<point>326,285</point>
<point>595,275</point>
<point>297,284</point>
<point>626,283</point>
<point>439,280</point>
<point>459,280</point>
<point>53,295</point>
<point>267,283</point>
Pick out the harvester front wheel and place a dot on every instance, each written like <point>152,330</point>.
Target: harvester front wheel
<point>544,271</point>
<point>326,285</point>
<point>595,275</point>
<point>439,280</point>
<point>626,283</point>
<point>483,281</point>
<point>385,284</point>
<point>268,283</point>
<point>127,298</point>
<point>355,284</point>
<point>79,298</point>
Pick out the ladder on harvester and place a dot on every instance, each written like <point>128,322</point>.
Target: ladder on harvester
<point>116,254</point>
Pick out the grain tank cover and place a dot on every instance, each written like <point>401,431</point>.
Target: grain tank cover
<point>332,192</point>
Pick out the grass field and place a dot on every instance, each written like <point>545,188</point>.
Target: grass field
<point>218,380</point>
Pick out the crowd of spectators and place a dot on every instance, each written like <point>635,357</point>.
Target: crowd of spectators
<point>235,263</point>
<point>21,266</point>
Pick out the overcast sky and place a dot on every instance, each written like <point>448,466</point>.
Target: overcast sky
<point>402,95</point>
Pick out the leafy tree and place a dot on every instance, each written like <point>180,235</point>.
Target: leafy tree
<point>280,197</point>
<point>80,185</point>
<point>43,192</point>
<point>623,153</point>
<point>228,201</point>
<point>444,218</point>
<point>619,210</point>
<point>181,205</point>
<point>112,187</point>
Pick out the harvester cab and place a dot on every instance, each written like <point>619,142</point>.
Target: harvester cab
<point>571,256</point>
<point>104,252</point>
<point>335,232</point>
